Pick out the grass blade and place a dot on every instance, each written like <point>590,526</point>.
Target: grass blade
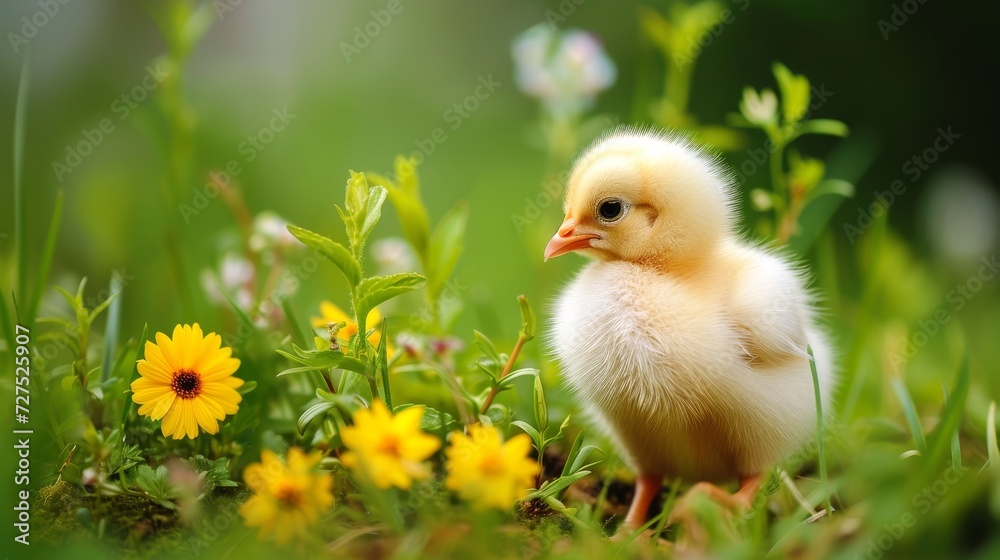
<point>912,418</point>
<point>382,373</point>
<point>821,435</point>
<point>994,454</point>
<point>111,331</point>
<point>956,440</point>
<point>127,405</point>
<point>47,255</point>
<point>940,440</point>
<point>20,223</point>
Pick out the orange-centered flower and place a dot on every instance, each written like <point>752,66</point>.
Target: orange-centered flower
<point>289,496</point>
<point>487,471</point>
<point>386,449</point>
<point>187,380</point>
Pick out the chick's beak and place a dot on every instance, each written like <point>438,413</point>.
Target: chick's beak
<point>565,240</point>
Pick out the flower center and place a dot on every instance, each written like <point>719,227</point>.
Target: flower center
<point>491,464</point>
<point>289,496</point>
<point>187,384</point>
<point>390,445</point>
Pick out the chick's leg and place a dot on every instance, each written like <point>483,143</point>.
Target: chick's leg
<point>647,487</point>
<point>741,500</point>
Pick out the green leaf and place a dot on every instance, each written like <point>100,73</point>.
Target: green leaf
<point>836,187</point>
<point>337,253</point>
<point>139,352</point>
<point>111,330</point>
<point>382,367</point>
<point>362,210</point>
<point>993,451</point>
<point>826,127</point>
<point>527,318</point>
<point>379,289</point>
<point>794,93</point>
<point>555,488</point>
<point>486,346</point>
<point>530,430</point>
<point>47,255</point>
<point>404,193</point>
<point>541,409</point>
<point>312,413</point>
<point>373,211</point>
<point>446,246</point>
<point>514,375</point>
<point>912,417</point>
<point>573,451</point>
<point>940,440</point>
<point>433,420</point>
<point>156,484</point>
<point>321,360</point>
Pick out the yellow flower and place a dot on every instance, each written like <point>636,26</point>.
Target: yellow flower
<point>288,497</point>
<point>488,472</point>
<point>187,380</point>
<point>388,450</point>
<point>333,314</point>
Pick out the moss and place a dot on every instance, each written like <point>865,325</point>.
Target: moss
<point>134,525</point>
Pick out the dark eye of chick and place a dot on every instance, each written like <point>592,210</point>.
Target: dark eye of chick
<point>610,209</point>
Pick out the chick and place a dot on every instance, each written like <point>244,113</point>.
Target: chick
<point>686,344</point>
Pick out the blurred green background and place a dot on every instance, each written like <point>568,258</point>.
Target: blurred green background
<point>359,114</point>
<point>359,111</point>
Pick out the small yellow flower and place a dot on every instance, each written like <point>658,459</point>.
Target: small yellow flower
<point>488,472</point>
<point>288,497</point>
<point>388,450</point>
<point>187,380</point>
<point>333,314</point>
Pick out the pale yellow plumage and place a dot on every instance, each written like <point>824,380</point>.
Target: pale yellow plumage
<point>686,343</point>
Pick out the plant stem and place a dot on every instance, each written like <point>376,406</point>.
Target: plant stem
<point>820,447</point>
<point>506,369</point>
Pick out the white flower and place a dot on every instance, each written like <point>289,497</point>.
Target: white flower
<point>233,276</point>
<point>393,255</point>
<point>271,230</point>
<point>566,70</point>
<point>759,108</point>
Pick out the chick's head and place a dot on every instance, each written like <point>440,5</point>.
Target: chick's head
<point>644,197</point>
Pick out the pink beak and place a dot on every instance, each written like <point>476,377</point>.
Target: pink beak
<point>564,241</point>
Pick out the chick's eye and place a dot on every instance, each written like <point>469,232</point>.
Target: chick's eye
<point>610,209</point>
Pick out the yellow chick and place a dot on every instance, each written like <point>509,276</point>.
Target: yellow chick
<point>685,343</point>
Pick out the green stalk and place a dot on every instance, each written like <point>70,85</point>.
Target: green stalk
<point>820,447</point>
<point>20,227</point>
